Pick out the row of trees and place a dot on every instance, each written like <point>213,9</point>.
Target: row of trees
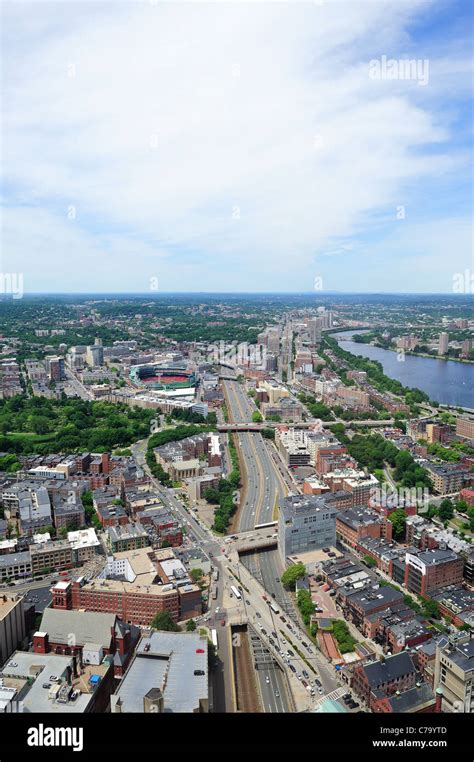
<point>377,377</point>
<point>305,605</point>
<point>225,499</point>
<point>345,642</point>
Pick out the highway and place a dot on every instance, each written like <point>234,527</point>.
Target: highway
<point>264,483</point>
<point>289,636</point>
<point>265,486</point>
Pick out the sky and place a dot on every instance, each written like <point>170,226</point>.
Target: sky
<point>237,146</point>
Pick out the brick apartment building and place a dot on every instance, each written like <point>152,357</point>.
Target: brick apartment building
<point>95,635</point>
<point>355,523</point>
<point>384,678</point>
<point>358,604</point>
<point>133,603</point>
<point>432,569</point>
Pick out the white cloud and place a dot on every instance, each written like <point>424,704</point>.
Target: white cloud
<point>158,144</point>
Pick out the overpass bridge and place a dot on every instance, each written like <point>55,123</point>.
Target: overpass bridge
<point>256,539</point>
<point>250,426</point>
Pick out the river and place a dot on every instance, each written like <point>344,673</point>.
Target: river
<point>445,381</point>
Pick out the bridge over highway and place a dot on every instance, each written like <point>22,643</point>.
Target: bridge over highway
<point>255,539</point>
<point>250,426</point>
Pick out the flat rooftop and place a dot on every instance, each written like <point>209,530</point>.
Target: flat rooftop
<point>166,660</point>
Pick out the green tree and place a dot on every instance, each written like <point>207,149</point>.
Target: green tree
<point>305,605</point>
<point>211,495</point>
<point>398,519</point>
<point>446,510</point>
<point>190,625</point>
<point>292,574</point>
<point>163,621</point>
<point>369,561</point>
<point>196,574</point>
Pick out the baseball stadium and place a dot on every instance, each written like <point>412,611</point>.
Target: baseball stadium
<point>159,377</point>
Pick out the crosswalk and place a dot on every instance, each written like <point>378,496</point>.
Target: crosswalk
<point>334,696</point>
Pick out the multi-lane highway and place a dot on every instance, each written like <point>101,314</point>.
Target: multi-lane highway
<point>290,638</point>
<point>263,483</point>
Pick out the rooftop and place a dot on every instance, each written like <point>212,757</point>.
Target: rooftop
<point>391,668</point>
<point>167,661</point>
<point>87,626</point>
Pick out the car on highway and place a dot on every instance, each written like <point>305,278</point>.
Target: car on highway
<point>259,616</point>
<point>222,622</point>
<point>290,652</point>
<point>283,619</point>
<point>267,679</point>
<point>277,694</point>
<point>247,602</point>
<point>274,634</point>
<point>264,632</point>
<point>292,667</point>
<point>305,674</point>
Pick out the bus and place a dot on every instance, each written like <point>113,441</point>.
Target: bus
<point>215,575</point>
<point>214,638</point>
<point>235,592</point>
<point>274,608</point>
<point>214,593</point>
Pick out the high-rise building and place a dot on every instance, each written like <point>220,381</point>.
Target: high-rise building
<point>454,672</point>
<point>95,355</point>
<point>305,523</point>
<point>443,343</point>
<point>55,365</point>
<point>465,428</point>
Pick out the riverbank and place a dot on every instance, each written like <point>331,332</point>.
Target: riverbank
<point>417,354</point>
<point>444,381</point>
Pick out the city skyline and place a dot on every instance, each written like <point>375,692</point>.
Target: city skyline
<point>216,158</point>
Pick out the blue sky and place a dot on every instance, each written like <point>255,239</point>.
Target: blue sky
<point>236,146</point>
